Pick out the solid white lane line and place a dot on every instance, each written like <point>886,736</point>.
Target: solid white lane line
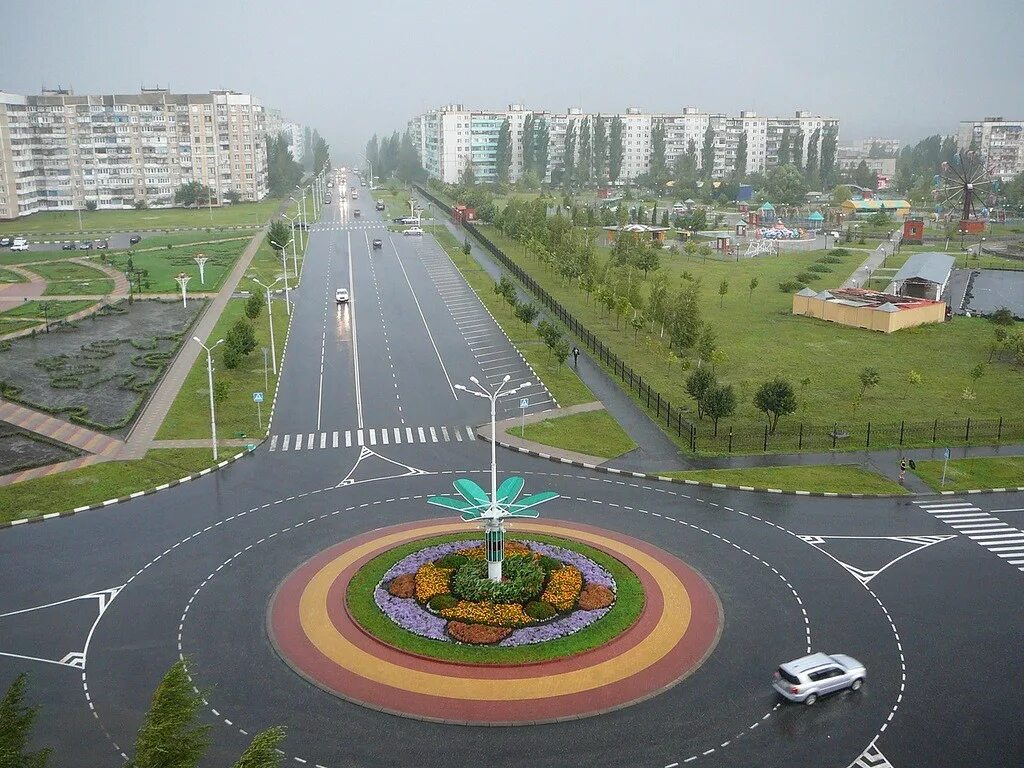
<point>355,343</point>
<point>1009,510</point>
<point>423,318</point>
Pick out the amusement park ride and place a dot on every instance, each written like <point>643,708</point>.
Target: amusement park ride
<point>962,188</point>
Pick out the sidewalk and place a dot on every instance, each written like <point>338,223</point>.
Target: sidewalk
<point>863,273</point>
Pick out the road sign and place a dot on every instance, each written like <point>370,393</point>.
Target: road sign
<point>257,397</point>
<point>945,453</point>
<point>524,402</point>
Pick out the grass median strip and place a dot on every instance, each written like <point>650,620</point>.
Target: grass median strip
<point>824,478</point>
<point>967,474</point>
<point>47,309</point>
<point>594,433</point>
<point>189,417</point>
<point>162,265</point>
<point>96,483</point>
<point>68,278</point>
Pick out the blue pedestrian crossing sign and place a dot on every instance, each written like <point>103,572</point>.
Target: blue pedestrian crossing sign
<point>524,402</point>
<point>257,397</point>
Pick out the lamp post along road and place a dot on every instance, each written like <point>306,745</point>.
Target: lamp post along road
<point>201,260</point>
<point>270,317</point>
<point>209,380</point>
<point>295,258</point>
<point>182,281</point>
<point>284,266</point>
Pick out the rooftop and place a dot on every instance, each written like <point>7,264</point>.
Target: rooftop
<point>862,297</point>
<point>930,265</point>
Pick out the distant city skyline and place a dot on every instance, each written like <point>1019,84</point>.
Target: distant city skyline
<point>912,71</point>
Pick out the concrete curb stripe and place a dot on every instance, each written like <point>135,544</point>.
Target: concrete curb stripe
<point>137,494</point>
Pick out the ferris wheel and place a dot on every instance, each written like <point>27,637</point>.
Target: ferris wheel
<point>965,182</point>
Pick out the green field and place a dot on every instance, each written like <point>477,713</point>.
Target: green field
<point>967,474</point>
<point>8,276</point>
<point>164,264</point>
<point>241,214</point>
<point>93,484</point>
<point>189,416</point>
<point>266,266</point>
<point>760,338</point>
<point>52,309</point>
<point>559,378</point>
<point>594,433</point>
<point>70,279</point>
<point>826,478</point>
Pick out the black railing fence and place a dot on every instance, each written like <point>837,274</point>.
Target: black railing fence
<point>791,434</point>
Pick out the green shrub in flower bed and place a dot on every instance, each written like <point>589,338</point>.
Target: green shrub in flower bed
<point>442,602</point>
<point>522,578</point>
<point>540,610</point>
<point>629,603</point>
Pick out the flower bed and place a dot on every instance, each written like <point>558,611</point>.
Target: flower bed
<point>441,592</point>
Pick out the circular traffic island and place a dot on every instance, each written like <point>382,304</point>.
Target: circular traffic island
<point>405,620</point>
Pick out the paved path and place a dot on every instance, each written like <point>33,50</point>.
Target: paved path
<point>13,294</point>
<point>484,431</point>
<point>863,273</point>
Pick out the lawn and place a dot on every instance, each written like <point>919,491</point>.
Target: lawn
<point>967,474</point>
<point>189,416</point>
<point>164,264</point>
<point>11,325</point>
<point>65,491</point>
<point>760,338</point>
<point>559,378</point>
<point>594,433</point>
<point>70,279</point>
<point>266,266</point>
<point>826,478</point>
<point>7,276</point>
<point>53,309</point>
<point>241,214</point>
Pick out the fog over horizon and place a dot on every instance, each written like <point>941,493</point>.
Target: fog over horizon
<point>353,69</point>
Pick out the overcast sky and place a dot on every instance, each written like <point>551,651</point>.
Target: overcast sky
<point>903,69</point>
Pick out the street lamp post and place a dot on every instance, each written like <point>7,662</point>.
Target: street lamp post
<point>182,281</point>
<point>295,258</point>
<point>201,260</point>
<point>209,379</point>
<point>270,317</point>
<point>284,265</point>
<point>492,526</point>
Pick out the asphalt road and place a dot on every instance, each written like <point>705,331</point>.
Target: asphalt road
<point>98,605</point>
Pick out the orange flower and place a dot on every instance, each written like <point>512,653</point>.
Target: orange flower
<point>497,614</point>
<point>564,585</point>
<point>511,548</point>
<point>431,581</point>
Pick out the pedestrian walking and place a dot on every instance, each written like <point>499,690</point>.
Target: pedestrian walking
<point>576,358</point>
<point>903,467</point>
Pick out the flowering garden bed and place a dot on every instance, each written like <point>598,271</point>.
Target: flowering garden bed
<point>558,598</point>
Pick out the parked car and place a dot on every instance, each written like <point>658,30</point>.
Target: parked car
<point>5,242</point>
<point>67,246</point>
<point>413,231</point>
<point>102,244</point>
<point>380,205</point>
<point>341,295</point>
<point>134,239</point>
<point>85,245</point>
<point>378,244</point>
<point>409,220</point>
<point>357,213</point>
<point>809,677</point>
<point>19,244</point>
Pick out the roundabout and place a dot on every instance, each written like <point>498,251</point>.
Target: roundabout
<point>674,632</point>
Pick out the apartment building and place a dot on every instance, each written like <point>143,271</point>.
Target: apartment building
<point>60,151</point>
<point>1000,140</point>
<point>451,137</point>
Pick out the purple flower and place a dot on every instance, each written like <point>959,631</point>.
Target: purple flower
<point>553,630</point>
<point>415,561</point>
<point>408,614</point>
<point>592,572</point>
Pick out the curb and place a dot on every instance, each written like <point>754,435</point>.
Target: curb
<point>724,486</point>
<point>129,497</point>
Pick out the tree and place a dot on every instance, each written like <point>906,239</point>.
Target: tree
<point>841,194</point>
<point>775,398</point>
<point>170,736</point>
<point>527,312</point>
<point>585,155</point>
<point>529,145</point>
<point>600,142</point>
<point>278,235</point>
<point>829,140</point>
<point>719,401</point>
<point>409,167</point>
<point>869,377</point>
<point>507,290</point>
<point>697,384</point>
<point>569,156</point>
<point>468,176</point>
<point>283,173</point>
<point>321,153</point>
<point>798,149</point>
<point>813,150</point>
<point>90,205</point>
<point>231,196</point>
<point>1002,316</point>
<point>254,305</point>
<point>615,149</point>
<point>707,155</point>
<point>706,345</point>
<point>560,350</point>
<point>784,153</point>
<point>262,751</point>
<point>16,721</point>
<point>785,185</point>
<point>723,288</point>
<point>638,321</point>
<point>542,139</point>
<point>752,286</point>
<point>1013,191</point>
<point>503,152</point>
<point>192,194</point>
<point>372,151</point>
<point>864,176</point>
<point>741,157</point>
<point>658,168</point>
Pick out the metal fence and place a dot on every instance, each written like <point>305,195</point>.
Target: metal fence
<point>791,434</point>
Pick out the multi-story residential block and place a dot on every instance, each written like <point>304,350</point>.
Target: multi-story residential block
<point>296,134</point>
<point>1000,140</point>
<point>452,137</point>
<point>60,151</point>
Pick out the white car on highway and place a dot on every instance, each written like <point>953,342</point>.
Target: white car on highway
<point>341,296</point>
<point>413,231</point>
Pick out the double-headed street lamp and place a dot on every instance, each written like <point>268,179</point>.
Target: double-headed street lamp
<point>284,265</point>
<point>295,259</point>
<point>270,316</point>
<point>209,378</point>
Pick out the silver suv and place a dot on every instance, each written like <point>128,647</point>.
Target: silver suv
<point>807,678</point>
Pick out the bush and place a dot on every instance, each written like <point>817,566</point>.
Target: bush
<point>840,253</point>
<point>806,277</point>
<point>821,268</point>
<point>254,305</point>
<point>442,602</point>
<point>791,286</point>
<point>232,356</point>
<point>241,337</point>
<point>549,563</point>
<point>540,610</point>
<point>454,561</point>
<point>523,578</point>
<point>830,260</point>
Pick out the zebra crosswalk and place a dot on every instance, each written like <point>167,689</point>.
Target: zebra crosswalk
<point>981,527</point>
<point>350,226</point>
<point>347,438</point>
